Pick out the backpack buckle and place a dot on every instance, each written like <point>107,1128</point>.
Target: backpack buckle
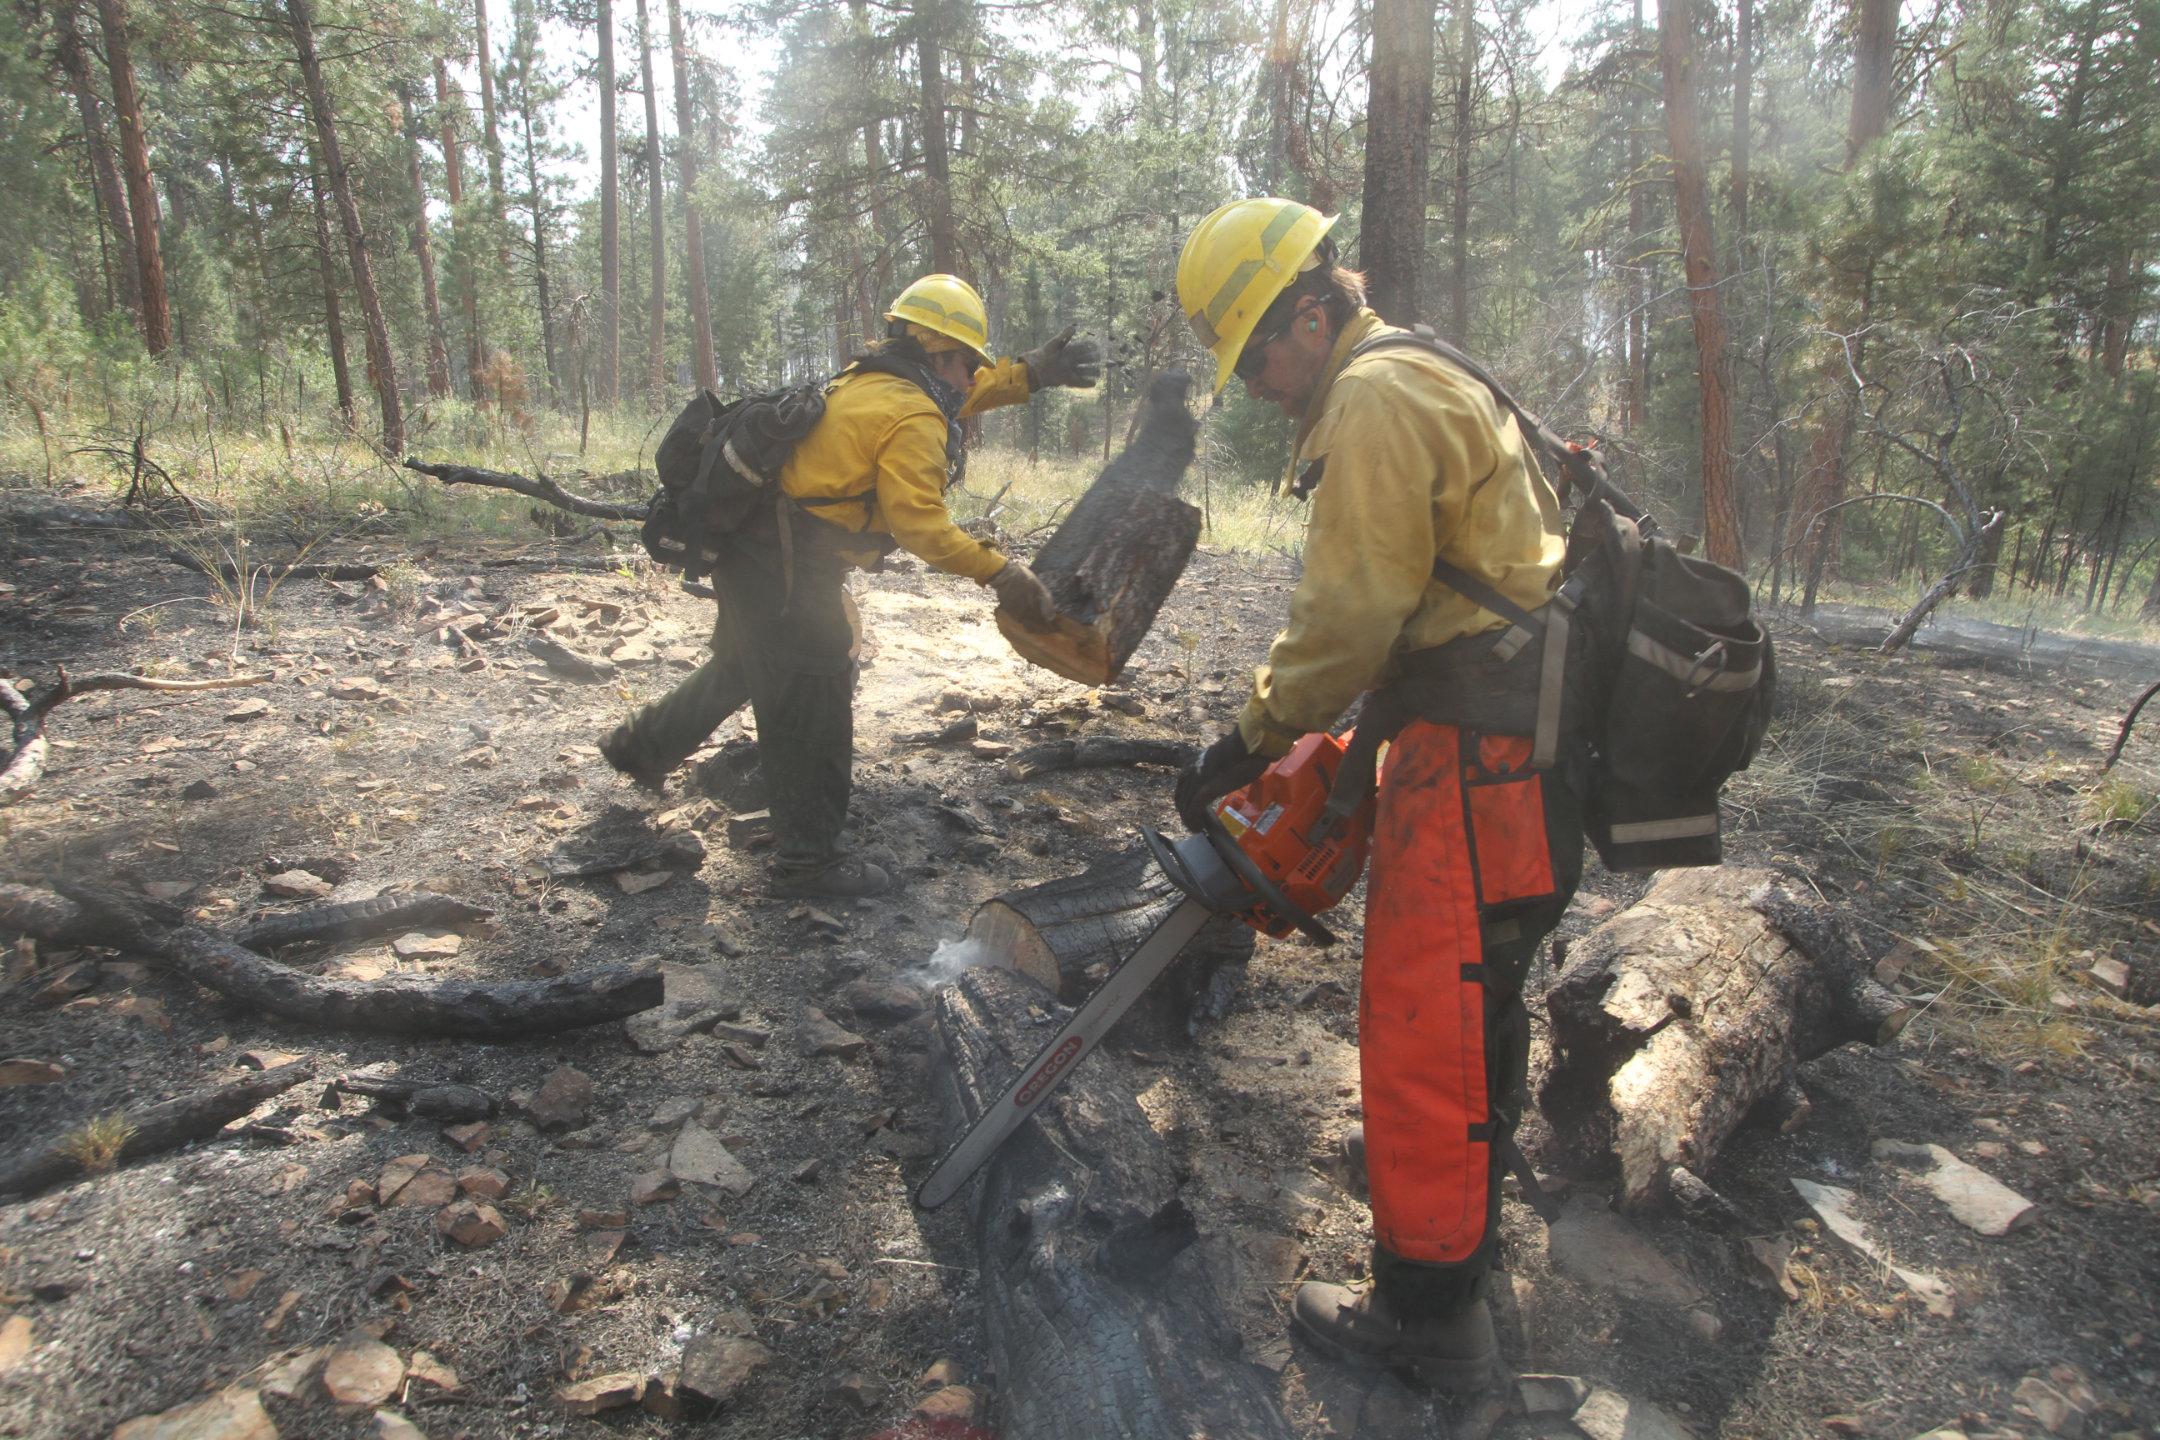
<point>1706,666</point>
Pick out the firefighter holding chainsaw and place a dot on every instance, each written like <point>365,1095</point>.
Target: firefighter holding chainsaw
<point>869,478</point>
<point>1407,461</point>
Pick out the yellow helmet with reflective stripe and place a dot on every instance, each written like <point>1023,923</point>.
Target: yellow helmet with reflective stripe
<point>1236,262</point>
<point>948,306</point>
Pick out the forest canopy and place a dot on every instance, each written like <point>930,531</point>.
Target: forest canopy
<point>1771,255</point>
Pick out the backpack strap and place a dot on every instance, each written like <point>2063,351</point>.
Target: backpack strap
<point>1552,620</point>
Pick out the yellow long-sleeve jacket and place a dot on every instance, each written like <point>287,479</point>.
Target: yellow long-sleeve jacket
<point>1420,462</point>
<point>883,439</point>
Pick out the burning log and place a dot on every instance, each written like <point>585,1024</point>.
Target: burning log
<point>1674,1018</point>
<point>148,1130</point>
<point>1100,1316</point>
<point>1067,935</point>
<point>1114,561</point>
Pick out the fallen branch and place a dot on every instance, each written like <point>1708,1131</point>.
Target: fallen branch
<point>227,570</point>
<point>154,1129</point>
<point>2122,736</point>
<point>1096,753</point>
<point>541,487</point>
<point>25,764</point>
<point>399,1005</point>
<point>400,1097</point>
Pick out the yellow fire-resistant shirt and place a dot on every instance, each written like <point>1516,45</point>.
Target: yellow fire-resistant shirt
<point>1421,461</point>
<point>883,439</point>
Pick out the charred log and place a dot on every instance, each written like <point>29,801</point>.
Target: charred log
<point>1101,1317</point>
<point>542,487</point>
<point>1674,1018</point>
<point>1115,559</point>
<point>399,1097</point>
<point>1068,934</point>
<point>151,1130</point>
<point>359,919</point>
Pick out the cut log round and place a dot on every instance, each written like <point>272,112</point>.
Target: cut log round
<point>154,1129</point>
<point>1068,934</point>
<point>1100,1315</point>
<point>1677,1015</point>
<point>1115,559</point>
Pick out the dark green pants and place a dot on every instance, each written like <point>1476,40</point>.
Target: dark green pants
<point>786,652</point>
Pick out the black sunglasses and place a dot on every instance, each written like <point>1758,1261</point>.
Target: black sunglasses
<point>1253,358</point>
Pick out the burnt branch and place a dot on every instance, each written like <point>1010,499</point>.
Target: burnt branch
<point>541,487</point>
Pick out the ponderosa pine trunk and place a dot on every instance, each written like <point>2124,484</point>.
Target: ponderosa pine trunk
<point>156,318</point>
<point>1466,63</point>
<point>656,209</point>
<point>610,318</point>
<point>686,160</point>
<point>524,47</point>
<point>111,192</point>
<point>936,159</point>
<point>490,137</point>
<point>333,312</point>
<point>1691,198</point>
<point>1742,103</point>
<point>1398,132</point>
<point>450,113</point>
<point>438,350</point>
<point>1638,288</point>
<point>382,368</point>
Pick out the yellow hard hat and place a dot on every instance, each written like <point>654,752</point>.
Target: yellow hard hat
<point>1236,262</point>
<point>948,306</point>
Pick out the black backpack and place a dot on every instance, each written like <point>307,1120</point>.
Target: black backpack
<point>721,459</point>
<point>1652,658</point>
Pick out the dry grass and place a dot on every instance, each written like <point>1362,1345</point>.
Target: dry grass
<point>97,1145</point>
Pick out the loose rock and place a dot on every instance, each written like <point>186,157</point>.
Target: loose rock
<point>564,1100</point>
<point>699,1157</point>
<point>362,1371</point>
<point>715,1368</point>
<point>472,1223</point>
<point>603,1392</point>
<point>227,1415</point>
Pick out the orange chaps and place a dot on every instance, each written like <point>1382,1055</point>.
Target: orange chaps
<point>1474,858</point>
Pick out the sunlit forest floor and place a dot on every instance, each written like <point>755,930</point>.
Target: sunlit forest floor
<point>1959,815</point>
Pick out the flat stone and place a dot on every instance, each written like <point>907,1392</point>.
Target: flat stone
<point>673,1111</point>
<point>663,1398</point>
<point>602,1392</point>
<point>881,1002</point>
<point>31,1072</point>
<point>472,1223</point>
<point>362,1371</point>
<point>1551,1394</point>
<point>389,1425</point>
<point>563,1101</point>
<point>356,687</point>
<point>431,1188</point>
<point>483,1182</point>
<point>716,1367</point>
<point>17,1335</point>
<point>1978,1200</point>
<point>227,1415</point>
<point>602,1246</point>
<point>427,945</point>
<point>398,1174</point>
<point>252,708</point>
<point>425,1369</point>
<point>699,1157</point>
<point>2111,975</point>
<point>297,885</point>
<point>818,1035</point>
<point>467,1138</point>
<point>1595,1247</point>
<point>289,1378</point>
<point>654,1187</point>
<point>1832,1205</point>
<point>1609,1415</point>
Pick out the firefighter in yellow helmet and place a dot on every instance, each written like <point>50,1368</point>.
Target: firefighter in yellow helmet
<point>1413,471</point>
<point>870,478</point>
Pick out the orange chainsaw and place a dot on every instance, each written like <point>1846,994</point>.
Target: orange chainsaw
<point>1274,854</point>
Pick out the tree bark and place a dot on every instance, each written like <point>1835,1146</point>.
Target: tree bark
<point>111,193</point>
<point>1638,288</point>
<point>525,47</point>
<point>686,160</point>
<point>1068,935</point>
<point>155,1129</point>
<point>449,113</point>
<point>1114,561</point>
<point>1743,98</point>
<point>937,163</point>
<point>656,207</point>
<point>1466,67</point>
<point>1101,1317</point>
<point>1874,74</point>
<point>135,161</point>
<point>382,368</point>
<point>1691,198</point>
<point>610,220</point>
<point>1398,131</point>
<point>490,137</point>
<point>438,352</point>
<point>333,312</point>
<point>1671,1020</point>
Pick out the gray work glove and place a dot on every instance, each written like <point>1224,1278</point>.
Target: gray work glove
<point>1019,591</point>
<point>1062,360</point>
